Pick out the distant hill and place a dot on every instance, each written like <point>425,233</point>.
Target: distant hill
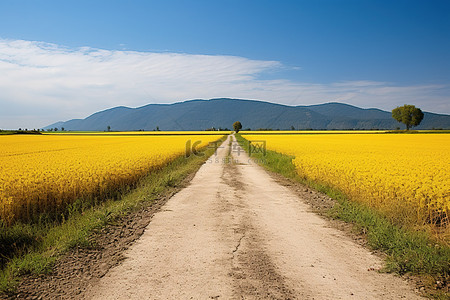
<point>222,113</point>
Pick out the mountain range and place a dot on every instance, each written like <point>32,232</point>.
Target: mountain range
<point>223,112</point>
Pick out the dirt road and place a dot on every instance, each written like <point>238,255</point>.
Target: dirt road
<point>235,233</point>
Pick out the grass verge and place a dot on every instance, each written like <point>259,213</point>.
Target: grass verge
<point>34,248</point>
<point>9,132</point>
<point>408,252</point>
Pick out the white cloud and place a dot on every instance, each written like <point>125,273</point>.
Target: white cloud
<point>41,83</point>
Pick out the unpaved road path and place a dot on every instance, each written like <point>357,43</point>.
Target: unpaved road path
<point>235,233</point>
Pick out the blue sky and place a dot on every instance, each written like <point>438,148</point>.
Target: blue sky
<point>67,59</point>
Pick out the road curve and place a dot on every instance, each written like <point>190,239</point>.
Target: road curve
<point>235,233</point>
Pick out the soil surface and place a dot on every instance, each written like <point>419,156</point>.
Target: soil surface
<point>235,232</point>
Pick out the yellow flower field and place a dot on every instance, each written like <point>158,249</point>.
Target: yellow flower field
<point>45,173</point>
<point>405,176</point>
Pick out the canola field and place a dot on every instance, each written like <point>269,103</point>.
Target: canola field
<point>405,176</point>
<point>45,173</point>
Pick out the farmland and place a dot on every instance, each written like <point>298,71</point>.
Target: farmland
<point>44,174</point>
<point>403,176</point>
<point>228,203</point>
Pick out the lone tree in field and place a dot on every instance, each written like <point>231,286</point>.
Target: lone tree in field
<point>237,126</point>
<point>408,114</point>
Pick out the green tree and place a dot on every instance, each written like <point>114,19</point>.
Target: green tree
<point>237,126</point>
<point>108,128</point>
<point>408,114</point>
